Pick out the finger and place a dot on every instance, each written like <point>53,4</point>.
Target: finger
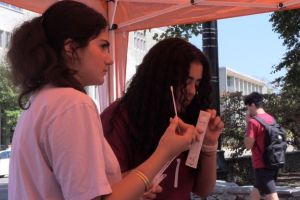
<point>149,195</point>
<point>191,135</point>
<point>199,130</point>
<point>213,114</point>
<point>173,123</point>
<point>183,125</point>
<point>221,125</point>
<point>216,121</point>
<point>156,189</point>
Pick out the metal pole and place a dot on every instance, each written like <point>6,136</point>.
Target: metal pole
<point>0,128</point>
<point>210,49</point>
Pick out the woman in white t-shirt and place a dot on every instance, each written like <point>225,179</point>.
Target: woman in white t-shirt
<point>58,148</point>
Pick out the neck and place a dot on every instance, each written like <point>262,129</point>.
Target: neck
<point>260,111</point>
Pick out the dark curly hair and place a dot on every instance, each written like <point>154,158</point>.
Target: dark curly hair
<point>255,98</point>
<point>36,51</point>
<point>148,100</point>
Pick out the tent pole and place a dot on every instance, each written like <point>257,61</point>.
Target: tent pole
<point>291,3</point>
<point>235,4</point>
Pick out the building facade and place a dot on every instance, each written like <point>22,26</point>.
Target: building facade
<point>139,43</point>
<point>233,81</point>
<point>10,17</point>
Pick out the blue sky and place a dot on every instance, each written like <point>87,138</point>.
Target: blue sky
<point>248,45</point>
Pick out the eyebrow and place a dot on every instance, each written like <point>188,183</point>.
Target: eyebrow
<point>192,78</point>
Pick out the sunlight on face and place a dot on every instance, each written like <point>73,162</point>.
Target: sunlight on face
<point>192,83</point>
<point>94,61</point>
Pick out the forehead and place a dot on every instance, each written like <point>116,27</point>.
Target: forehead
<point>103,35</point>
<point>196,70</point>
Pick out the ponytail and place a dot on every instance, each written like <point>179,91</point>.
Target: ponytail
<point>36,51</point>
<point>28,56</point>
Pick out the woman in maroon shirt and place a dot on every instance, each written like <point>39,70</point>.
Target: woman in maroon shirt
<point>133,124</point>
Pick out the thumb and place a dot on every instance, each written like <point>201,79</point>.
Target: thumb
<point>173,123</point>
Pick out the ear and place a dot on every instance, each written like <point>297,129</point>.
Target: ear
<point>70,48</point>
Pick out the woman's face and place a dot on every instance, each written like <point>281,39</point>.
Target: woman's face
<point>192,83</point>
<point>94,61</point>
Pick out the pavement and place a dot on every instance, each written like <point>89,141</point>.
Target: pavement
<point>3,188</point>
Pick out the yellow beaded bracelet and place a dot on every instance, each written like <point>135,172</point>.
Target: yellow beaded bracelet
<point>143,177</point>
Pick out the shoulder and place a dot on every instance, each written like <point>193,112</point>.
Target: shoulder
<point>56,100</point>
<point>266,117</point>
<point>253,122</point>
<point>63,95</point>
<point>108,112</point>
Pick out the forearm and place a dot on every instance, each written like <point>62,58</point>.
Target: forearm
<point>206,176</point>
<point>132,186</point>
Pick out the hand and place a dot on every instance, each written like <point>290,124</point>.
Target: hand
<point>214,128</point>
<point>151,193</point>
<point>174,143</point>
<point>247,117</point>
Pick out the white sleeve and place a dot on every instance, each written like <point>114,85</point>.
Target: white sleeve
<point>75,140</point>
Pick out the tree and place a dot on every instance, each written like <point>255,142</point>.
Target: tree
<point>233,114</point>
<point>184,31</point>
<point>287,25</point>
<point>9,109</point>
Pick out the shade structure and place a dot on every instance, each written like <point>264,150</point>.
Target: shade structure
<point>128,15</point>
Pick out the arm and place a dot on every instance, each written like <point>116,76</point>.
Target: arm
<point>249,139</point>
<point>170,145</point>
<point>249,142</point>
<point>118,138</point>
<point>206,175</point>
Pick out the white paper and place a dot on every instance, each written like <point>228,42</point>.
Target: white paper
<point>194,153</point>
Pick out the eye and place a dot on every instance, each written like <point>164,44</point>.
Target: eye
<point>189,81</point>
<point>104,46</point>
<point>198,83</point>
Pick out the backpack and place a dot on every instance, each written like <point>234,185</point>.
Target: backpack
<point>275,144</point>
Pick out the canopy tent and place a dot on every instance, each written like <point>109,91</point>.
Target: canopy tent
<point>128,15</point>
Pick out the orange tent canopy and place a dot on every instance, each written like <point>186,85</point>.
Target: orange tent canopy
<point>131,15</point>
<point>142,14</point>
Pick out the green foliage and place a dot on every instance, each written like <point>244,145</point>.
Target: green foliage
<point>284,107</point>
<point>184,31</point>
<point>9,109</point>
<point>287,25</point>
<point>233,114</point>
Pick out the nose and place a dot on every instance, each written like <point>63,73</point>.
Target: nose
<point>109,60</point>
<point>192,90</point>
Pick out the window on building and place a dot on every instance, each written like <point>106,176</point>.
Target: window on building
<point>241,85</point>
<point>229,81</point>
<point>245,87</point>
<point>7,39</point>
<point>140,40</point>
<point>1,36</point>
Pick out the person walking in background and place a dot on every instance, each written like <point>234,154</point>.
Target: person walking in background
<point>133,124</point>
<point>255,140</point>
<point>58,148</point>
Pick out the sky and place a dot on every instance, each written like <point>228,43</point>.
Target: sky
<point>248,45</point>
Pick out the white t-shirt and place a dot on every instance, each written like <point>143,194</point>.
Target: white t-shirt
<point>59,151</point>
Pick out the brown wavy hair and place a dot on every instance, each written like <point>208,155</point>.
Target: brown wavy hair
<point>36,51</point>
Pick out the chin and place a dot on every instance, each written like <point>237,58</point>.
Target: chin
<point>100,82</point>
